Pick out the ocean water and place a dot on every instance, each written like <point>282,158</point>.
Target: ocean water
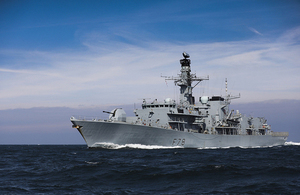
<point>75,169</point>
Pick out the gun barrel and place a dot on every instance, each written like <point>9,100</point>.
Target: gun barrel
<point>107,112</point>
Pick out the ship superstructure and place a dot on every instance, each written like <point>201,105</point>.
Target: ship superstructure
<point>189,123</point>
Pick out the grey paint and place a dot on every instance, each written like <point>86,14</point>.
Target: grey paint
<point>194,124</point>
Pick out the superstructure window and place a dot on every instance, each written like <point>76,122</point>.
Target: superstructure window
<point>216,98</point>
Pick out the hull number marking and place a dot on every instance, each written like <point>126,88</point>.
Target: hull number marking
<point>178,142</point>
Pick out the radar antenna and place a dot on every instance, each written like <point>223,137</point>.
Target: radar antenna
<point>185,55</point>
<point>185,79</point>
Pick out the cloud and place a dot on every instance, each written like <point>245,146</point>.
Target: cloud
<point>108,73</point>
<point>255,31</point>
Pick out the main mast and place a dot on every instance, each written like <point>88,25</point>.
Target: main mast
<point>185,80</point>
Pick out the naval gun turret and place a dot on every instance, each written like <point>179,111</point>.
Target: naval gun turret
<point>117,114</point>
<point>206,123</point>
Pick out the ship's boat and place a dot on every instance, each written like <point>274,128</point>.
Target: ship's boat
<point>207,123</point>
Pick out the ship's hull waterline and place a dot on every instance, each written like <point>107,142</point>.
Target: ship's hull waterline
<point>95,133</point>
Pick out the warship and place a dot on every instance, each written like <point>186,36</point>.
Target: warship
<point>207,123</point>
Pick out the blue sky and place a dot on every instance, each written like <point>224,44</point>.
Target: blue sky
<point>90,54</point>
<point>87,53</point>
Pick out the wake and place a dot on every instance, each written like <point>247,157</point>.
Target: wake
<point>151,147</point>
<point>292,143</point>
<point>135,146</point>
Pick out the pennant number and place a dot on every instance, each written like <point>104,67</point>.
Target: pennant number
<point>178,142</point>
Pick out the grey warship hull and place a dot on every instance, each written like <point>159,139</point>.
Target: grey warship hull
<point>207,123</point>
<point>97,133</point>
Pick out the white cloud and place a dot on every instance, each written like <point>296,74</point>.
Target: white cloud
<point>291,36</point>
<point>255,31</point>
<point>107,73</point>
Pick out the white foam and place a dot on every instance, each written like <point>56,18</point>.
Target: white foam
<point>227,147</point>
<point>292,143</point>
<point>151,147</point>
<point>137,146</point>
<point>212,148</point>
<point>92,163</point>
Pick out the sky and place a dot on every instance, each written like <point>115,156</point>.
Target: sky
<point>87,54</point>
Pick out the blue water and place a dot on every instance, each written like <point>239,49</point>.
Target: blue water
<point>59,169</point>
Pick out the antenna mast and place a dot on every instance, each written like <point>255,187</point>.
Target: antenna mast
<point>184,80</point>
<point>226,85</point>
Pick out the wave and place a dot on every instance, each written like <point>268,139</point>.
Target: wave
<point>213,148</point>
<point>292,143</point>
<point>136,146</point>
<point>107,145</point>
<point>91,163</point>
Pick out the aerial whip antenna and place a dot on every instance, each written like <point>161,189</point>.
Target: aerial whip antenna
<point>226,85</point>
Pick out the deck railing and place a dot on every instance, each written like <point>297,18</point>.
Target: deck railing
<point>88,118</point>
<point>280,134</point>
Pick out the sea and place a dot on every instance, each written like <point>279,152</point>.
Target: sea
<point>134,169</point>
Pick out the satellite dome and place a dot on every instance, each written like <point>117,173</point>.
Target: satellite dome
<point>204,99</point>
<point>168,100</point>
